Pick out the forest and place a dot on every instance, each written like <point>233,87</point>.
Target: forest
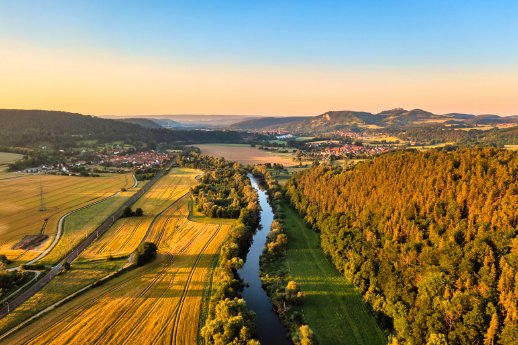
<point>33,128</point>
<point>428,238</point>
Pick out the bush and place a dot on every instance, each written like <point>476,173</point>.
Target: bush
<point>4,259</point>
<point>128,212</point>
<point>144,253</point>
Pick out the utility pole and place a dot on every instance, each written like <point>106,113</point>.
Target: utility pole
<point>42,199</point>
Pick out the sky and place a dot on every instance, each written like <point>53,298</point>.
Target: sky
<point>123,57</point>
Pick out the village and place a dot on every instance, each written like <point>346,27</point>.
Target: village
<point>103,162</point>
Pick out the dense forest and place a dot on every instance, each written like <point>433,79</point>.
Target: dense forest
<point>429,239</point>
<point>31,128</point>
<point>434,134</point>
<point>224,191</point>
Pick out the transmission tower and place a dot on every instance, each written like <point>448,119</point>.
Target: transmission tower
<point>42,199</point>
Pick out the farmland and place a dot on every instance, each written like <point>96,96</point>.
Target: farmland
<point>163,298</point>
<point>5,159</point>
<point>127,233</point>
<point>332,307</point>
<point>20,213</point>
<point>245,154</point>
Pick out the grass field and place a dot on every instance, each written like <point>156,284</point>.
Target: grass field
<point>7,157</point>
<point>163,298</point>
<point>333,308</point>
<point>20,213</point>
<point>245,154</point>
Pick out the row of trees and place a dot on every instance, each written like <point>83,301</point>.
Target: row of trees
<point>429,239</point>
<point>285,293</point>
<point>229,321</point>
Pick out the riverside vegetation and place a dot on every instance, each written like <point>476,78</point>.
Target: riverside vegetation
<point>285,293</point>
<point>429,239</point>
<point>224,188</point>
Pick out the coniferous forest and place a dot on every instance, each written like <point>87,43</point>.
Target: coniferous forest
<point>429,239</point>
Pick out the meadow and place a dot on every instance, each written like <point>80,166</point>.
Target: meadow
<point>163,298</point>
<point>332,307</point>
<point>246,154</point>
<point>5,159</point>
<point>20,213</point>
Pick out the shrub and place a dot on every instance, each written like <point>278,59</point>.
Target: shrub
<point>144,253</point>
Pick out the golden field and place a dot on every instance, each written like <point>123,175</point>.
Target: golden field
<point>20,213</point>
<point>246,155</point>
<point>126,234</point>
<point>163,298</point>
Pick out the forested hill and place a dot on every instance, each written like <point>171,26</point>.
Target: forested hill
<point>37,127</point>
<point>429,239</point>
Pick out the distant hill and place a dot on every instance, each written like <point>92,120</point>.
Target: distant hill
<point>388,119</point>
<point>30,128</point>
<point>265,122</point>
<point>146,123</point>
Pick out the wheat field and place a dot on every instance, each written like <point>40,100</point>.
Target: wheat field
<point>20,213</point>
<point>162,299</point>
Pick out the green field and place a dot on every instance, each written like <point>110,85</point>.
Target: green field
<point>333,309</point>
<point>7,157</point>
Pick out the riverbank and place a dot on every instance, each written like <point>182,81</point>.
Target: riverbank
<point>269,327</point>
<point>333,309</point>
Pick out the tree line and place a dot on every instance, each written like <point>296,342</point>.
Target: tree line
<point>429,239</point>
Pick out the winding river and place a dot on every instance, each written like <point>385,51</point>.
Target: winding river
<point>269,327</point>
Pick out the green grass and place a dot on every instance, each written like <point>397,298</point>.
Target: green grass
<point>7,157</point>
<point>333,309</point>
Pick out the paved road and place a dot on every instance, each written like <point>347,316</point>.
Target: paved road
<point>45,279</point>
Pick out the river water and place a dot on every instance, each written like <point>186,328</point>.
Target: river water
<point>269,327</point>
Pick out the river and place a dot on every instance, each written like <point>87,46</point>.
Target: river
<point>269,327</point>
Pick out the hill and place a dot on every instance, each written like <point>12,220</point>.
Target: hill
<point>31,128</point>
<point>266,122</point>
<point>428,238</point>
<point>146,123</point>
<point>389,119</point>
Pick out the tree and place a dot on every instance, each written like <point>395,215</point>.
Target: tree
<point>127,212</point>
<point>492,331</point>
<point>139,212</point>
<point>306,335</point>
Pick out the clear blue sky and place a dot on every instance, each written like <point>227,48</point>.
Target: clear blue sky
<point>314,35</point>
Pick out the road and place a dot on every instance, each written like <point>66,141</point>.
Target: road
<point>75,252</point>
